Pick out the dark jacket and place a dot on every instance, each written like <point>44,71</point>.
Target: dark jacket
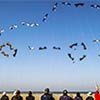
<point>4,97</point>
<point>89,98</point>
<point>65,97</point>
<point>30,98</point>
<point>17,97</point>
<point>46,97</point>
<point>78,98</point>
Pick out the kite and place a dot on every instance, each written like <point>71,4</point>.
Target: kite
<point>31,48</point>
<point>72,45</point>
<point>96,40</point>
<point>13,27</point>
<point>84,46</point>
<point>10,46</point>
<point>99,55</point>
<point>23,23</point>
<point>66,3</point>
<point>82,57</point>
<point>15,52</point>
<point>27,24</point>
<point>55,7</point>
<point>79,4</point>
<point>95,6</point>
<point>1,31</point>
<point>70,56</point>
<point>56,48</point>
<point>4,54</point>
<point>30,24</point>
<point>45,17</point>
<point>34,24</point>
<point>3,45</point>
<point>42,48</point>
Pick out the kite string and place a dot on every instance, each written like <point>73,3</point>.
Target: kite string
<point>91,32</point>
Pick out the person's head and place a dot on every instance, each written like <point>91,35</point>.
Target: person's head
<point>65,92</point>
<point>89,93</point>
<point>97,88</point>
<point>29,93</point>
<point>47,90</point>
<point>78,94</point>
<point>4,93</point>
<point>17,92</point>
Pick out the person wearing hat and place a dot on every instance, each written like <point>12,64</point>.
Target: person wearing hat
<point>97,95</point>
<point>46,95</point>
<point>4,96</point>
<point>17,96</point>
<point>78,96</point>
<point>65,96</point>
<point>30,96</point>
<point>89,96</point>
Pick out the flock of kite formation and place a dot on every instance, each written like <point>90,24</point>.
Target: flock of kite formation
<point>54,8</point>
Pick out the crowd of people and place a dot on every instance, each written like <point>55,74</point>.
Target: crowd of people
<point>47,95</point>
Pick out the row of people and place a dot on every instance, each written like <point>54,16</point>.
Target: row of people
<point>48,96</point>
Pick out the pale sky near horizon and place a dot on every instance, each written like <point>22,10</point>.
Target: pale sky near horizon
<point>37,69</point>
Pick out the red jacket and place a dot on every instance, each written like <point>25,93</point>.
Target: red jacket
<point>97,95</point>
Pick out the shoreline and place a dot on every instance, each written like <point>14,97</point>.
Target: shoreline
<point>55,92</point>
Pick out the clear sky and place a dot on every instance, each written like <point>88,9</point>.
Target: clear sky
<point>37,69</point>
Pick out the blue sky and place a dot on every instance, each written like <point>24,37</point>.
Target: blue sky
<point>36,69</point>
